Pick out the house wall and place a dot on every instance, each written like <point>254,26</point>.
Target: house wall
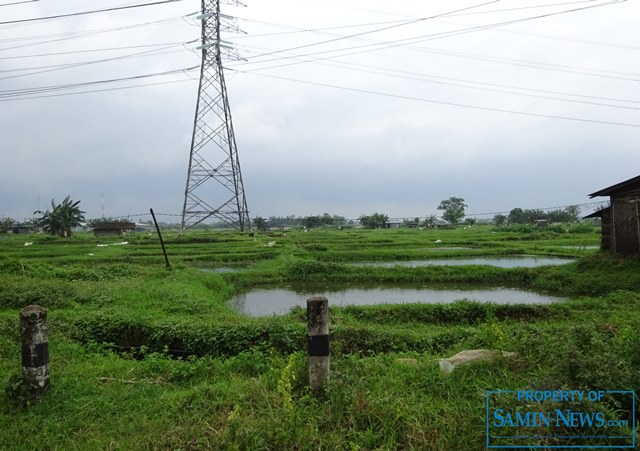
<point>605,241</point>
<point>625,223</point>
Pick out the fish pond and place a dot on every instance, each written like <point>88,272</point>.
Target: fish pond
<point>268,301</point>
<point>521,261</point>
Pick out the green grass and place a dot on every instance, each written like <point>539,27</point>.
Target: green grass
<point>148,358</point>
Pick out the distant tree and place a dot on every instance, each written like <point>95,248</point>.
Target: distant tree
<point>6,224</point>
<point>326,220</point>
<point>338,220</point>
<point>374,221</point>
<point>470,221</point>
<point>499,220</point>
<point>430,221</point>
<point>568,214</point>
<point>109,222</point>
<point>61,219</point>
<point>260,223</point>
<point>516,216</point>
<point>310,222</point>
<point>453,209</point>
<point>573,211</point>
<point>520,216</point>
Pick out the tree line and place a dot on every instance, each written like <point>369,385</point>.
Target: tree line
<point>64,216</point>
<point>520,216</point>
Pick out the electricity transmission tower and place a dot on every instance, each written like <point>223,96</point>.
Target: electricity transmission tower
<point>214,181</point>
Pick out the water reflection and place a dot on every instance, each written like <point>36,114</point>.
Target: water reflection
<point>277,301</point>
<point>527,261</point>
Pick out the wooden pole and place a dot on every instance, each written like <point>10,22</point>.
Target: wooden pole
<point>164,250</point>
<point>318,341</point>
<point>35,348</point>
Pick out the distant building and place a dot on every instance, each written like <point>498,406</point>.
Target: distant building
<point>19,229</point>
<point>142,227</point>
<point>621,220</point>
<point>114,228</point>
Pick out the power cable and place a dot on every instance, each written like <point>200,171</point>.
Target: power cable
<point>387,13</point>
<point>502,91</point>
<point>562,207</point>
<point>545,91</point>
<point>510,61</point>
<point>440,102</point>
<point>426,78</point>
<point>82,13</point>
<point>402,24</point>
<point>13,94</point>
<point>548,5</point>
<point>46,69</point>
<point>18,3</point>
<point>144,85</point>
<point>294,30</point>
<point>104,49</point>
<point>48,39</point>
<point>365,48</point>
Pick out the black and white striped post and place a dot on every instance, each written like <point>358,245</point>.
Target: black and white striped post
<point>35,348</point>
<point>318,341</point>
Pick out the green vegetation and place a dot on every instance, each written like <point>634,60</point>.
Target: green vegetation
<point>569,214</point>
<point>147,358</point>
<point>6,223</point>
<point>61,219</point>
<point>374,221</point>
<point>453,209</point>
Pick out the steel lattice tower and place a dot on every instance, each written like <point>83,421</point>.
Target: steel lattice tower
<point>214,181</point>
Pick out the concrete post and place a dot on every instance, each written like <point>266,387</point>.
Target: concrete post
<point>318,341</point>
<point>35,348</point>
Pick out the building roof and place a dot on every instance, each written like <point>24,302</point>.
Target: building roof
<point>597,213</point>
<point>618,187</point>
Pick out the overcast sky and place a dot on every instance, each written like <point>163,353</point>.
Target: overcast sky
<point>340,106</point>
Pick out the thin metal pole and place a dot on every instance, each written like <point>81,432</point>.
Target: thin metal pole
<point>164,250</point>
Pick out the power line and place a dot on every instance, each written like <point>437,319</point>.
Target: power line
<point>18,3</point>
<point>560,38</point>
<point>49,39</point>
<point>47,69</point>
<point>296,30</point>
<point>510,61</point>
<point>428,78</point>
<point>91,91</point>
<point>587,204</point>
<point>440,102</point>
<point>104,49</point>
<point>82,13</point>
<point>402,24</point>
<point>16,94</point>
<point>561,207</point>
<point>365,48</point>
<point>387,13</point>
<point>546,91</point>
<point>524,7</point>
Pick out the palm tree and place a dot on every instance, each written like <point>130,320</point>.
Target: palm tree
<point>62,217</point>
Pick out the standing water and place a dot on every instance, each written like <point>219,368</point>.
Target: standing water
<point>522,261</point>
<point>278,301</point>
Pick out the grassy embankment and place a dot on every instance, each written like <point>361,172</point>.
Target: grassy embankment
<point>142,357</point>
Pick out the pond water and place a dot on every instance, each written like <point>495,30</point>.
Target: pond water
<point>522,261</point>
<point>580,247</point>
<point>220,270</point>
<point>278,301</point>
